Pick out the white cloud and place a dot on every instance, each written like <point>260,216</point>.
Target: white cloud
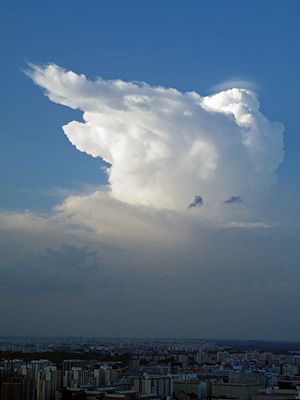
<point>166,147</point>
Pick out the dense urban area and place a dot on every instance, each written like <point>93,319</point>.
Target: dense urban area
<point>147,369</point>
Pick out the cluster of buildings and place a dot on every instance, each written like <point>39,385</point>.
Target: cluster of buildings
<point>146,370</point>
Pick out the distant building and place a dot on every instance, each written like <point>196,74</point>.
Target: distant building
<point>240,391</point>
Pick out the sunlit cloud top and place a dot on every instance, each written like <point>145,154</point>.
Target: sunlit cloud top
<point>166,148</point>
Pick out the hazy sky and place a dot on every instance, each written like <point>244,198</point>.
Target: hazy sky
<point>150,169</point>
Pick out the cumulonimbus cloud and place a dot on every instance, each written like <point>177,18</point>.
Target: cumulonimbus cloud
<point>165,147</point>
<point>192,207</point>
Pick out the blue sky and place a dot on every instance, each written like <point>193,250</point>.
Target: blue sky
<point>201,46</point>
<point>189,46</point>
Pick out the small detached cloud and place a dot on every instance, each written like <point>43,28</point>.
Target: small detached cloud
<point>233,199</point>
<point>198,201</point>
<point>249,225</point>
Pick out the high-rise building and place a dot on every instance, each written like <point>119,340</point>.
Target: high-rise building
<point>12,389</point>
<point>69,364</point>
<point>155,384</point>
<point>49,384</point>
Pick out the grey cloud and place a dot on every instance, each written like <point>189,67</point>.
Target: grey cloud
<point>69,267</point>
<point>77,227</point>
<point>129,289</point>
<point>198,201</point>
<point>233,199</point>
